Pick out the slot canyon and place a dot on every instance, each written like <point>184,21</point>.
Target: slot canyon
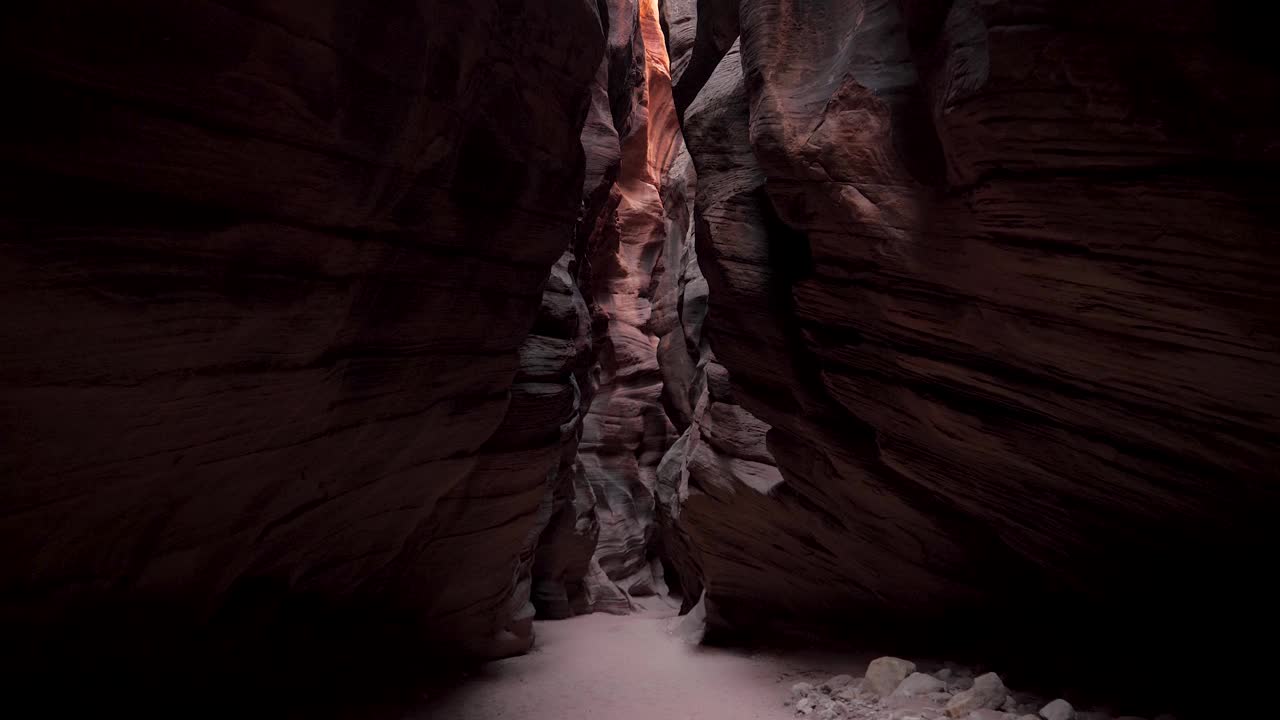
<point>640,359</point>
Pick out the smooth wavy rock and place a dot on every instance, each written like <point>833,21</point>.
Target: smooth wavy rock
<point>1001,279</point>
<point>268,273</point>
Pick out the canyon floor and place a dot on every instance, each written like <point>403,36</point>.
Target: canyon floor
<point>637,667</point>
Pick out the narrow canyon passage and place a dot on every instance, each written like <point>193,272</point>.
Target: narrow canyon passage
<point>345,344</point>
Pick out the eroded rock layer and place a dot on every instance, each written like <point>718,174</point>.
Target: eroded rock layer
<point>626,429</point>
<point>268,270</point>
<point>1001,277</point>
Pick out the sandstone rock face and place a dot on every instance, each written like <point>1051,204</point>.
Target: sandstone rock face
<point>1005,305</point>
<point>873,315</point>
<point>556,554</point>
<point>626,429</point>
<point>269,273</point>
<point>1000,279</point>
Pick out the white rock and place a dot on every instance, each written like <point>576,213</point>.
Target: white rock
<point>804,706</point>
<point>884,674</point>
<point>988,693</point>
<point>1058,710</point>
<point>919,684</point>
<point>943,674</point>
<point>801,689</point>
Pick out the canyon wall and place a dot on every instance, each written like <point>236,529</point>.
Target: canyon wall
<point>269,274</point>
<point>950,321</point>
<point>1001,277</point>
<point>623,242</point>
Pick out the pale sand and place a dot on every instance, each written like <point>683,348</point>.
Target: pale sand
<point>639,667</point>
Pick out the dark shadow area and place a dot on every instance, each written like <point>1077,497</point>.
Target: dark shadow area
<point>266,657</point>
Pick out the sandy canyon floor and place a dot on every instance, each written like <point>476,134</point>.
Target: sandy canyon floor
<point>638,667</point>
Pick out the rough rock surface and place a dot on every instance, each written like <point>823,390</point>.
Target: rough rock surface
<point>1006,304</point>
<point>1058,710</point>
<point>938,308</point>
<point>268,271</point>
<point>559,345</point>
<point>988,693</point>
<point>886,674</point>
<point>627,275</point>
<point>917,684</point>
<point>920,696</point>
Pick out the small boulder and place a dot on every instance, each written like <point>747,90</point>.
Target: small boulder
<point>804,706</point>
<point>918,684</point>
<point>943,674</point>
<point>1058,710</point>
<point>839,682</point>
<point>886,673</point>
<point>801,689</point>
<point>988,693</point>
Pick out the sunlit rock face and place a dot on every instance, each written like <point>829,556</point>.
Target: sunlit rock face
<point>626,429</point>
<point>1001,278</point>
<point>269,275</point>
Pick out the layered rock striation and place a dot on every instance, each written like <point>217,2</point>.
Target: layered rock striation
<point>950,319</point>
<point>269,273</point>
<point>623,239</point>
<point>1000,278</point>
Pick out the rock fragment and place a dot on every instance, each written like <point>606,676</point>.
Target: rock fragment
<point>886,673</point>
<point>1058,710</point>
<point>988,693</point>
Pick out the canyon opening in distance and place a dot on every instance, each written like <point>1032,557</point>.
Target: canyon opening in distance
<point>640,359</point>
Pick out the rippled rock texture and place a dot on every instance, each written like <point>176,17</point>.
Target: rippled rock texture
<point>952,317</point>
<point>1002,279</point>
<point>269,273</point>
<point>626,429</point>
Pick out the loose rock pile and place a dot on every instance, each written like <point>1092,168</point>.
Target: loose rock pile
<point>894,690</point>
